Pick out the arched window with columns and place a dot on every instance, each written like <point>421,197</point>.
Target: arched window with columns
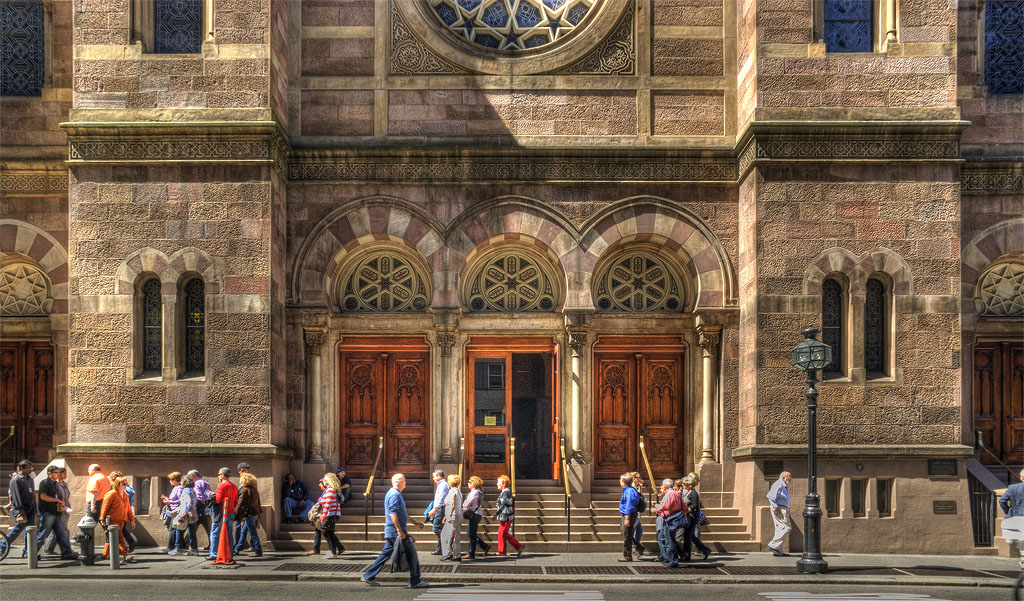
<point>193,309</point>
<point>876,328</point>
<point>833,323</point>
<point>151,326</point>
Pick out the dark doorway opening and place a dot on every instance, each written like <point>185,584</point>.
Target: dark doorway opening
<point>531,414</point>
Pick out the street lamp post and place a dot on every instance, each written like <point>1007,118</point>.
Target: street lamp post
<point>809,356</point>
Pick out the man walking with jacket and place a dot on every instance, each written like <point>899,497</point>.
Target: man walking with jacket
<point>22,492</point>
<point>51,511</point>
<point>671,516</point>
<point>778,496</point>
<point>396,518</point>
<point>1012,504</point>
<point>628,506</point>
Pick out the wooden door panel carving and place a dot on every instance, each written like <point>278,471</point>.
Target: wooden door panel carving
<point>27,399</point>
<point>362,421</point>
<point>408,404</point>
<point>1014,419</point>
<point>638,393</point>
<point>986,360</point>
<point>998,400</point>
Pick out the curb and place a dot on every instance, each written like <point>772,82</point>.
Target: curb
<point>486,579</point>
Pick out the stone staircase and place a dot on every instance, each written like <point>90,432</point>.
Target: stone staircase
<point>540,521</point>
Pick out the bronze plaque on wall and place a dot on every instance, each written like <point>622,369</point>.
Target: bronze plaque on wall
<point>944,507</point>
<point>942,467</point>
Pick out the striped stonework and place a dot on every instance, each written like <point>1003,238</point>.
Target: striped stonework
<point>20,238</point>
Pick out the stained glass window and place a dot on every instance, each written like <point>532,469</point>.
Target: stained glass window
<point>1004,47</point>
<point>848,25</point>
<point>384,281</point>
<point>512,25</point>
<point>511,282</point>
<point>152,323</point>
<point>874,328</point>
<point>21,48</point>
<point>832,322</point>
<point>179,26</point>
<point>638,282</point>
<point>195,320</point>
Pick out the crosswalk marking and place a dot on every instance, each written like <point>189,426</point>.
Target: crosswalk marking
<point>537,595</point>
<point>802,596</point>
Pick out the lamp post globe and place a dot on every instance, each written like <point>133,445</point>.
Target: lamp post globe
<point>809,356</point>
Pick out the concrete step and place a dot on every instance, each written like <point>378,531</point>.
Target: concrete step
<point>424,546</point>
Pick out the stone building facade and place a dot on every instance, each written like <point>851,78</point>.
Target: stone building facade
<point>285,231</point>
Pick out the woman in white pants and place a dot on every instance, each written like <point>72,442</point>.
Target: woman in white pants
<point>451,550</point>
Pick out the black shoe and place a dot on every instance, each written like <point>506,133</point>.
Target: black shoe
<point>435,552</point>
<point>707,554</point>
<point>670,566</point>
<point>258,554</point>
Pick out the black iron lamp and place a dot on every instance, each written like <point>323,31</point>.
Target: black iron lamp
<point>809,356</point>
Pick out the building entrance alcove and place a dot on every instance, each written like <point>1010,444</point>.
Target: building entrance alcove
<point>999,400</point>
<point>511,394</point>
<point>384,389</point>
<point>638,391</point>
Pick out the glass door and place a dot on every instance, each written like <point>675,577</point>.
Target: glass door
<point>489,410</point>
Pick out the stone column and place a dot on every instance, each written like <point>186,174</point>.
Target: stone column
<point>314,338</point>
<point>577,346</point>
<point>709,337</point>
<point>445,336</point>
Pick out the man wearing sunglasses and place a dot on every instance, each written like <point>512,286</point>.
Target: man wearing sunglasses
<point>64,494</point>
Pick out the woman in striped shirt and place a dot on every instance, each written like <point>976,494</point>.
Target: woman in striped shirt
<point>330,509</point>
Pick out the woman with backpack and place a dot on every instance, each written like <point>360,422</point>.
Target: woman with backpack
<point>186,519</point>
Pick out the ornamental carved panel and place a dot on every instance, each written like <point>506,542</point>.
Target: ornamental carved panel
<point>24,290</point>
<point>1001,291</point>
<point>512,282</point>
<point>636,282</point>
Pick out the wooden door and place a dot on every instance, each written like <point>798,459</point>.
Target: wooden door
<point>998,404</point>
<point>27,392</point>
<point>488,413</point>
<point>638,391</point>
<point>384,388</point>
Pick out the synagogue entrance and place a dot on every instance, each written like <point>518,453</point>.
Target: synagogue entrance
<point>511,389</point>
<point>27,400</point>
<point>999,400</point>
<point>638,391</point>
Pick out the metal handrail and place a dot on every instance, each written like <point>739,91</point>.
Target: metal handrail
<point>568,495</point>
<point>369,489</point>
<point>650,474</point>
<point>512,458</point>
<point>8,437</point>
<point>981,445</point>
<point>462,455</point>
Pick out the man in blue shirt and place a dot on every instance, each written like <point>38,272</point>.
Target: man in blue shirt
<point>778,496</point>
<point>395,520</point>
<point>436,513</point>
<point>1012,504</point>
<point>628,508</point>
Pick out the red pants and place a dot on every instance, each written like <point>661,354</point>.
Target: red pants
<point>505,536</point>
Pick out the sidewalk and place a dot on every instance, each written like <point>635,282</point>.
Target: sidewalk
<point>734,568</point>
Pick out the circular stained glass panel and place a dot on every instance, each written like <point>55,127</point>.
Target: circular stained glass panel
<point>512,25</point>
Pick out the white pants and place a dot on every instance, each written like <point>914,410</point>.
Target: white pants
<point>782,528</point>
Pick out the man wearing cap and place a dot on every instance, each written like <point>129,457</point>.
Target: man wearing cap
<point>226,500</point>
<point>346,486</point>
<point>51,512</point>
<point>778,496</point>
<point>98,487</point>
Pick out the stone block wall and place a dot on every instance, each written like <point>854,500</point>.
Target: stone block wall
<point>171,221</point>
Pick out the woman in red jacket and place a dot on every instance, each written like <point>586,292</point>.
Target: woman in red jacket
<point>116,510</point>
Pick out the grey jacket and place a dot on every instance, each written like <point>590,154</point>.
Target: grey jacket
<point>506,506</point>
<point>1012,500</point>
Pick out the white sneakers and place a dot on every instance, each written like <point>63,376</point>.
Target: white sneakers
<point>330,555</point>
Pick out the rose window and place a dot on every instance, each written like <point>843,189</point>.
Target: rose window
<point>384,282</point>
<point>512,283</point>
<point>512,25</point>
<point>638,282</point>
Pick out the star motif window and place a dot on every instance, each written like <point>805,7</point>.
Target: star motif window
<point>638,282</point>
<point>512,25</point>
<point>1001,291</point>
<point>24,290</point>
<point>511,282</point>
<point>384,281</point>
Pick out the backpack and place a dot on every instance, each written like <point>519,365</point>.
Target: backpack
<point>641,505</point>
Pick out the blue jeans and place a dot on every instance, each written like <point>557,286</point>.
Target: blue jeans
<point>179,537</point>
<point>667,545</point>
<point>220,523</point>
<point>385,555</point>
<point>474,539</point>
<point>14,533</point>
<point>249,529</point>
<point>437,524</point>
<point>638,530</point>
<point>52,522</point>
<point>290,504</point>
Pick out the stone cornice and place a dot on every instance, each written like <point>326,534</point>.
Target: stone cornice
<point>992,177</point>
<point>92,449</point>
<point>145,143</point>
<point>853,451</point>
<point>33,177</point>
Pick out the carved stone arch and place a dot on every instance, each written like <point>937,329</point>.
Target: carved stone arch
<point>832,261</point>
<point>362,221</point>
<point>642,277</point>
<point>169,269</point>
<point>138,264</point>
<point>512,218</point>
<point>998,242</point>
<point>192,261</point>
<point>521,252</point>
<point>890,263</point>
<point>384,259</point>
<point>46,253</point>
<point>660,221</point>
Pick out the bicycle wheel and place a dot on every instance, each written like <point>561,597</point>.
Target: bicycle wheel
<point>5,547</point>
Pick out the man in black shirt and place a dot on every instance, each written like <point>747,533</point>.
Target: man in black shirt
<point>346,486</point>
<point>293,493</point>
<point>23,497</point>
<point>51,508</point>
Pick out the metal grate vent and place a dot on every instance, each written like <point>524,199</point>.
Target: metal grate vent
<point>436,569</point>
<point>598,570</point>
<point>318,567</point>
<point>709,569</point>
<point>499,570</point>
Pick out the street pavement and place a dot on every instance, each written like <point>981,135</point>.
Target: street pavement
<point>975,571</point>
<point>127,589</point>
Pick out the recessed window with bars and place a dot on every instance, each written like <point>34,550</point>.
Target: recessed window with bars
<point>178,26</point>
<point>22,66</point>
<point>152,323</point>
<point>1004,46</point>
<point>832,296</point>
<point>874,329</point>
<point>195,327</point>
<point>848,25</point>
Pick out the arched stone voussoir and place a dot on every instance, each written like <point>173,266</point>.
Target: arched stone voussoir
<point>829,261</point>
<point>889,262</point>
<point>990,244</point>
<point>143,260</point>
